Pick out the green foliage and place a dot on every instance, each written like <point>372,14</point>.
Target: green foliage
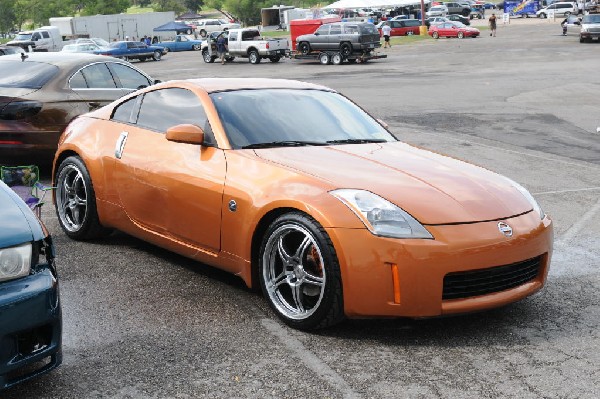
<point>94,7</point>
<point>169,5</point>
<point>7,15</point>
<point>247,11</point>
<point>193,5</point>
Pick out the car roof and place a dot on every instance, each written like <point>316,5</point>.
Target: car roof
<point>211,85</point>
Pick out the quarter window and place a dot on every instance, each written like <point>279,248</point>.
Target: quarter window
<point>323,30</point>
<point>335,30</point>
<point>122,112</point>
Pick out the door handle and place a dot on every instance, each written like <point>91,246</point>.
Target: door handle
<point>120,146</point>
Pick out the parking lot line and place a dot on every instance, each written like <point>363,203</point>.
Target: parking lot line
<point>574,230</point>
<point>309,359</point>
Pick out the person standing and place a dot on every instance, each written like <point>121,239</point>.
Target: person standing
<point>492,22</point>
<point>222,48</point>
<point>386,30</point>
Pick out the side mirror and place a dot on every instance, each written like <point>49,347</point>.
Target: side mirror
<point>316,33</point>
<point>157,81</point>
<point>189,134</point>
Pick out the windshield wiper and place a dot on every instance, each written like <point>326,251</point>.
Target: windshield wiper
<point>287,143</point>
<point>356,141</point>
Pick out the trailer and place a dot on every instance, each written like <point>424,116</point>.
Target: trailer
<point>336,58</point>
<point>114,26</point>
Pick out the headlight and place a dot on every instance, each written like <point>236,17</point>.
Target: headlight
<point>15,262</point>
<point>380,216</point>
<point>584,29</point>
<point>536,207</point>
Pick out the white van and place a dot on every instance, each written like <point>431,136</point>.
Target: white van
<point>560,9</point>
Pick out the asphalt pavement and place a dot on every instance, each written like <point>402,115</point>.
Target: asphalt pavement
<point>140,322</point>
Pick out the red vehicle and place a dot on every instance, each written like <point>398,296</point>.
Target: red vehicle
<point>401,27</point>
<point>452,29</point>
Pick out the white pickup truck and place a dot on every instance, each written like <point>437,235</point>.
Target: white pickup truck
<point>246,43</point>
<point>46,38</point>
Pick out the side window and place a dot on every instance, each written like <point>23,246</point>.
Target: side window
<point>162,109</point>
<point>131,45</point>
<point>128,77</point>
<point>323,30</point>
<point>233,36</point>
<point>45,35</point>
<point>35,37</point>
<point>97,76</point>
<point>351,29</point>
<point>335,30</point>
<point>122,112</point>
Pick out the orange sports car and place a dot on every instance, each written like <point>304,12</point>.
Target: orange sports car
<point>293,187</point>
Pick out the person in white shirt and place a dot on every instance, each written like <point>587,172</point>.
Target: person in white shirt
<point>387,31</point>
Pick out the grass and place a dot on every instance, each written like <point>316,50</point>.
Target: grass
<point>139,10</point>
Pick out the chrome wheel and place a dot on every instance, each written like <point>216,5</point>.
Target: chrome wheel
<point>294,272</point>
<point>71,198</point>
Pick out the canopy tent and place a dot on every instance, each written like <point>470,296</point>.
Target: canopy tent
<point>173,26</point>
<point>373,3</point>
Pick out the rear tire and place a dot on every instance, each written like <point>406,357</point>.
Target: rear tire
<point>275,58</point>
<point>76,201</point>
<point>203,33</point>
<point>435,35</point>
<point>346,50</point>
<point>460,35</point>
<point>195,47</point>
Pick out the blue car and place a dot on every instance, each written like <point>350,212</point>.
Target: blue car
<point>181,43</point>
<point>128,50</point>
<point>30,310</point>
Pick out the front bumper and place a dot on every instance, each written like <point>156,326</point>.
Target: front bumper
<point>385,277</point>
<point>30,326</point>
<point>590,35</point>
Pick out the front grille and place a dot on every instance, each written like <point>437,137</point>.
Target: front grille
<point>486,281</point>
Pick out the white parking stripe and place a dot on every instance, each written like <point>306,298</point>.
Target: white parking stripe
<point>575,190</point>
<point>580,224</point>
<point>309,359</point>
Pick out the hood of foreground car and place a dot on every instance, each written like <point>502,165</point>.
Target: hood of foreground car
<point>434,189</point>
<point>18,223</point>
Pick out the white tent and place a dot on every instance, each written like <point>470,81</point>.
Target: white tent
<point>343,4</point>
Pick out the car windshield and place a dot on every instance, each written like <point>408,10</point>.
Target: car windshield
<point>252,117</point>
<point>23,36</point>
<point>591,19</point>
<point>26,75</point>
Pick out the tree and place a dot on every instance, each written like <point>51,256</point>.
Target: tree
<point>193,5</point>
<point>7,16</point>
<point>247,11</point>
<point>169,5</point>
<point>94,7</point>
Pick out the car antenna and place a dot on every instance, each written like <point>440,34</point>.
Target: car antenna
<point>24,57</point>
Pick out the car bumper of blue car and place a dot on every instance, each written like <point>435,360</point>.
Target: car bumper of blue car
<point>30,326</point>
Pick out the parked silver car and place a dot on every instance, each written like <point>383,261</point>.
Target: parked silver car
<point>347,37</point>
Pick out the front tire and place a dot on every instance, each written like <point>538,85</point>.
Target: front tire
<point>254,57</point>
<point>324,58</point>
<point>76,201</point>
<point>460,35</point>
<point>157,55</point>
<point>435,35</point>
<point>304,48</point>
<point>207,57</point>
<point>300,274</point>
<point>195,47</point>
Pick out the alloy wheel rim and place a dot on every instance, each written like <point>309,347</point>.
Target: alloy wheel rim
<point>71,198</point>
<point>294,271</point>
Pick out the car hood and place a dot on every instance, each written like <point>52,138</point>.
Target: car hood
<point>435,189</point>
<point>19,225</point>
